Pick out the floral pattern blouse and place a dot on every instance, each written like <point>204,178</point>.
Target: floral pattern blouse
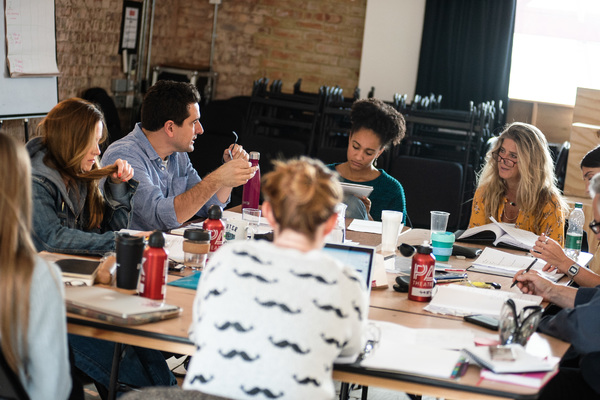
<point>553,220</point>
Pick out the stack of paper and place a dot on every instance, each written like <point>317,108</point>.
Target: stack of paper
<point>427,352</point>
<point>459,300</point>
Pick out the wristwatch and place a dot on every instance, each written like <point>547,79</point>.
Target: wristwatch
<point>573,270</point>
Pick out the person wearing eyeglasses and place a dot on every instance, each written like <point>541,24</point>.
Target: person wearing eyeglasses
<point>579,320</point>
<point>517,184</point>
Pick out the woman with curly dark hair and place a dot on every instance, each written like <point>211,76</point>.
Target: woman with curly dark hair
<point>375,126</point>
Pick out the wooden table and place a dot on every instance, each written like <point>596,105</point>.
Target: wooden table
<point>386,305</point>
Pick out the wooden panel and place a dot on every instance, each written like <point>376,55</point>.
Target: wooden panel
<point>554,120</point>
<point>587,106</point>
<point>583,139</point>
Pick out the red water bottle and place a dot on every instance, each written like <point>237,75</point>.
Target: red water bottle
<point>421,274</point>
<point>155,264</point>
<point>215,226</point>
<point>251,191</point>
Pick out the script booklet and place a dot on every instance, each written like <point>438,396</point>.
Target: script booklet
<point>356,189</point>
<point>522,361</point>
<point>497,262</point>
<point>459,300</point>
<point>426,352</point>
<point>500,234</point>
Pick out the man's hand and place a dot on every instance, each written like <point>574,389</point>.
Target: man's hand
<point>533,283</point>
<point>234,173</point>
<point>236,151</point>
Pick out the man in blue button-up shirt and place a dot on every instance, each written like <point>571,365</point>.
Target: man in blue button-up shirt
<point>170,191</point>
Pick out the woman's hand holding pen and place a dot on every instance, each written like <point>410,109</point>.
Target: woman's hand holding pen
<point>234,152</point>
<point>124,172</point>
<point>550,251</point>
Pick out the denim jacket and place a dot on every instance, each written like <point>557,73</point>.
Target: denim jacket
<point>60,217</point>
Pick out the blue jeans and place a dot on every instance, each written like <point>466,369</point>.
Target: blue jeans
<point>139,367</point>
<point>356,208</point>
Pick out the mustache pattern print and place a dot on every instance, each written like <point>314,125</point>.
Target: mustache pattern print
<point>357,309</point>
<point>256,390</point>
<point>214,292</point>
<point>242,354</point>
<point>201,379</point>
<point>235,325</point>
<point>307,381</point>
<point>284,343</point>
<point>352,278</point>
<point>251,256</point>
<point>333,341</point>
<point>318,278</point>
<point>282,306</point>
<point>337,311</point>
<point>255,276</point>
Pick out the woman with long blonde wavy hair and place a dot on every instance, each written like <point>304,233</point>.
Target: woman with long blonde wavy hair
<point>517,184</point>
<point>32,313</point>
<point>72,213</point>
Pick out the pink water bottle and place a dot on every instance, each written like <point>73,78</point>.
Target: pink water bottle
<point>251,192</point>
<point>155,264</point>
<point>420,287</point>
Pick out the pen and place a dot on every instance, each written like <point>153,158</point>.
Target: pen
<point>524,272</point>
<point>235,142</point>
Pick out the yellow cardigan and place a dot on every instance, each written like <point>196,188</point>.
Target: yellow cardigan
<point>553,220</point>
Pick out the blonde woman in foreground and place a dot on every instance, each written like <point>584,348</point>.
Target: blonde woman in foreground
<point>32,311</point>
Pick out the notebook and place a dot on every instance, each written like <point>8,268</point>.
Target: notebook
<point>74,269</point>
<point>359,257</point>
<point>116,307</point>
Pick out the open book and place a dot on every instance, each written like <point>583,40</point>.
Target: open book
<point>497,262</point>
<point>459,300</point>
<point>500,234</point>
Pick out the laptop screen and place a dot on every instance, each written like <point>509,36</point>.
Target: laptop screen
<point>358,257</point>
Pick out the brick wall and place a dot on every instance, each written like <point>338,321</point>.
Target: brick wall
<point>319,41</point>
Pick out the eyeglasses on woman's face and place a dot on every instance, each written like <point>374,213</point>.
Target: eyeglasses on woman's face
<point>595,226</point>
<point>507,161</point>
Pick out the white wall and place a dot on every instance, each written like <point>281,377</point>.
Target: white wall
<point>391,47</point>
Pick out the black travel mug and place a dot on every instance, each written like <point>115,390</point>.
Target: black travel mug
<point>129,260</point>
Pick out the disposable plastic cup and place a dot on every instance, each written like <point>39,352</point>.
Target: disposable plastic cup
<point>439,221</point>
<point>441,244</point>
<point>391,226</point>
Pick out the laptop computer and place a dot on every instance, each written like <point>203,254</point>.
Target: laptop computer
<point>116,307</point>
<point>361,258</point>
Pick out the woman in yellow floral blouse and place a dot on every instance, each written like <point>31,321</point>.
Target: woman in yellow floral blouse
<point>517,184</point>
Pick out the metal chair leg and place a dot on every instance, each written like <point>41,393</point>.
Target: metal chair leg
<point>114,372</point>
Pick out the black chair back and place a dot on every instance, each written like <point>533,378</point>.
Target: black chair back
<point>429,185</point>
<point>10,384</point>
